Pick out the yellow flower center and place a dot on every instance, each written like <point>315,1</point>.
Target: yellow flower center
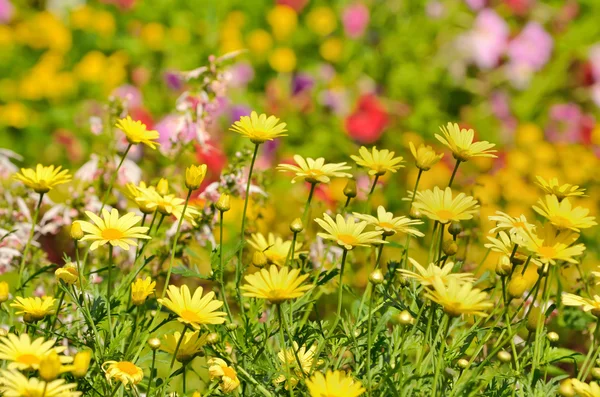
<point>547,252</point>
<point>519,225</point>
<point>347,239</point>
<point>445,215</point>
<point>112,234</point>
<point>229,372</point>
<point>28,359</point>
<point>128,367</point>
<point>386,225</point>
<point>190,316</point>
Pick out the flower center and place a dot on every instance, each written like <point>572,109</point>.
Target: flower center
<point>561,222</point>
<point>229,372</point>
<point>386,225</point>
<point>28,359</point>
<point>445,215</point>
<point>547,252</point>
<point>190,316</point>
<point>519,225</point>
<point>277,295</point>
<point>112,234</point>
<point>128,367</point>
<point>347,239</point>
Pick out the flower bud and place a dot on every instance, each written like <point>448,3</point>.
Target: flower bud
<point>517,286</point>
<point>553,337</point>
<point>223,203</point>
<point>415,213</point>
<point>3,332</point>
<point>596,373</point>
<point>296,226</point>
<point>405,318</point>
<point>350,188</point>
<point>504,356</point>
<point>503,267</point>
<point>154,343</point>
<point>455,228</point>
<point>532,320</point>
<point>462,363</point>
<point>213,338</point>
<point>194,175</point>
<point>450,247</point>
<point>376,277</point>
<point>81,363</point>
<point>259,259</point>
<point>68,273</point>
<point>50,366</point>
<point>566,388</point>
<point>4,291</point>
<point>76,231</point>
<point>162,187</point>
<point>232,326</point>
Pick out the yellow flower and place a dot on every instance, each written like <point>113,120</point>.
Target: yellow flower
<point>167,205</point>
<point>321,20</point>
<point>583,389</point>
<point>43,179</point>
<point>259,128</point>
<point>134,192</point>
<point>22,353</point>
<point>459,298</point>
<point>276,285</point>
<point>4,291</point>
<point>389,225</point>
<point>283,60</point>
<point>51,367</point>
<point>513,225</point>
<point>551,245</point>
<point>588,305</point>
<point>81,363</point>
<point>259,41</point>
<point>76,232</point>
<point>378,161</point>
<point>347,233</point>
<point>118,231</point>
<point>425,156</point>
<point>503,244</point>
<point>195,309</point>
<point>438,205</point>
<point>274,248</point>
<point>561,191</point>
<point>425,276</point>
<point>218,369</point>
<point>194,175</point>
<point>15,384</point>
<point>315,171</point>
<point>332,49</point>
<point>460,142</point>
<point>136,132</point>
<point>68,273</point>
<point>125,372</point>
<point>562,215</point>
<point>190,346</point>
<point>162,187</point>
<point>34,309</point>
<point>288,357</point>
<point>334,384</point>
<point>141,289</point>
<point>283,20</point>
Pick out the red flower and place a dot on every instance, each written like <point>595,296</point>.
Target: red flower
<point>367,122</point>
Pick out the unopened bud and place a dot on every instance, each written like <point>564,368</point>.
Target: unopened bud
<point>232,326</point>
<point>296,226</point>
<point>376,277</point>
<point>405,318</point>
<point>450,247</point>
<point>154,343</point>
<point>415,213</point>
<point>162,187</point>
<point>194,175</point>
<point>566,388</point>
<point>350,188</point>
<point>517,286</point>
<point>81,363</point>
<point>259,259</point>
<point>532,320</point>
<point>4,291</point>
<point>213,338</point>
<point>50,366</point>
<point>76,231</point>
<point>462,363</point>
<point>223,203</point>
<point>455,228</point>
<point>553,337</point>
<point>504,356</point>
<point>68,273</point>
<point>503,267</point>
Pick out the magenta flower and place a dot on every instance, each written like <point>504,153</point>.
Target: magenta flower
<point>532,47</point>
<point>355,19</point>
<point>568,124</point>
<point>7,11</point>
<point>488,39</point>
<point>476,5</point>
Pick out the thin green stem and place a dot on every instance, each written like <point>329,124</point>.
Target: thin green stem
<point>222,268</point>
<point>308,201</point>
<point>440,364</point>
<point>109,291</point>
<point>370,343</point>
<point>34,220</point>
<point>174,357</point>
<point>60,302</point>
<point>282,346</point>
<point>151,379</point>
<point>454,173</point>
<point>114,178</point>
<point>340,293</point>
<point>367,203</point>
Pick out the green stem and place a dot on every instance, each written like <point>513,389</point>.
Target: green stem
<point>412,199</point>
<point>289,335</point>
<point>307,205</point>
<point>109,291</point>
<point>60,302</point>
<point>174,358</point>
<point>285,360</point>
<point>114,178</point>
<point>34,220</point>
<point>340,293</point>
<point>222,268</point>
<point>183,376</point>
<point>454,173</point>
<point>440,364</point>
<point>370,343</point>
<point>151,373</point>
<point>367,291</point>
<point>367,203</point>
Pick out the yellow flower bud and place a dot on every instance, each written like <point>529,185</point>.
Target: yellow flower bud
<point>462,363</point>
<point>553,338</point>
<point>50,366</point>
<point>4,291</point>
<point>376,277</point>
<point>154,343</point>
<point>81,363</point>
<point>532,320</point>
<point>296,226</point>
<point>223,203</point>
<point>213,338</point>
<point>259,259</point>
<point>76,231</point>
<point>425,156</point>
<point>455,228</point>
<point>517,286</point>
<point>68,273</point>
<point>504,356</point>
<point>194,175</point>
<point>350,188</point>
<point>503,267</point>
<point>405,318</point>
<point>566,388</point>
<point>162,187</point>
<point>450,247</point>
<point>415,213</point>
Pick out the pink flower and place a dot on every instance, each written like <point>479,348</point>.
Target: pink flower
<point>7,11</point>
<point>131,95</point>
<point>595,62</point>
<point>568,124</point>
<point>355,19</point>
<point>476,5</point>
<point>532,47</point>
<point>488,39</point>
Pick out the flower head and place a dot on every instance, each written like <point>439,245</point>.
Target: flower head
<point>425,156</point>
<point>550,246</point>
<point>134,192</point>
<point>459,298</point>
<point>43,179</point>
<point>389,225</point>
<point>125,372</point>
<point>68,273</point>
<point>15,384</point>
<point>34,308</point>
<point>259,128</point>
<point>141,289</point>
<point>81,363</point>
<point>194,175</point>
<point>588,305</point>
<point>438,205</point>
<point>512,225</point>
<point>583,389</point>
<point>347,233</point>
<point>195,309</point>
<point>562,215</point>
<point>22,353</point>
<point>274,248</point>
<point>167,205</point>
<point>460,142</point>
<point>118,231</point>
<point>315,171</point>
<point>560,191</point>
<point>425,276</point>
<point>136,132</point>
<point>218,369</point>
<point>288,357</point>
<point>378,161</point>
<point>189,347</point>
<point>334,384</point>
<point>275,285</point>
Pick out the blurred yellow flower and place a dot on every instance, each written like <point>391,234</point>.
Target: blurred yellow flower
<point>22,353</point>
<point>15,383</point>
<point>588,305</point>
<point>136,132</point>
<point>458,298</point>
<point>332,49</point>
<point>92,67</point>
<point>560,191</point>
<point>378,162</point>
<point>315,171</point>
<point>321,20</point>
<point>259,42</point>
<point>125,372</point>
<point>283,60</point>
<point>15,114</point>
<point>425,156</point>
<point>460,142</point>
<point>4,291</point>
<point>426,276</point>
<point>276,285</point>
<point>283,21</point>
<point>274,248</point>
<point>81,363</point>
<point>43,179</point>
<point>438,205</point>
<point>259,128</point>
<point>334,384</point>
<point>288,357</point>
<point>153,35</point>
<point>104,23</point>
<point>34,308</point>
<point>347,233</point>
<point>562,215</point>
<point>141,289</point>
<point>218,369</point>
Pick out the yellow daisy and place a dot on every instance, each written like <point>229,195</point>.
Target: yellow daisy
<point>43,179</point>
<point>15,384</point>
<point>190,346</point>
<point>167,205</point>
<point>347,233</point>
<point>118,231</point>
<point>305,357</point>
<point>551,245</point>
<point>459,298</point>
<point>125,372</point>
<point>34,308</point>
<point>22,353</point>
<point>218,369</point>
<point>583,389</point>
<point>460,142</point>
<point>503,244</point>
<point>438,205</point>
<point>136,132</point>
<point>315,171</point>
<point>259,128</point>
<point>385,222</point>
<point>274,248</point>
<point>378,161</point>
<point>588,305</point>
<point>562,215</point>
<point>275,285</point>
<point>133,192</point>
<point>194,176</point>
<point>425,156</point>
<point>561,191</point>
<point>195,309</point>
<point>334,384</point>
<point>141,289</point>
<point>425,276</point>
<point>513,225</point>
